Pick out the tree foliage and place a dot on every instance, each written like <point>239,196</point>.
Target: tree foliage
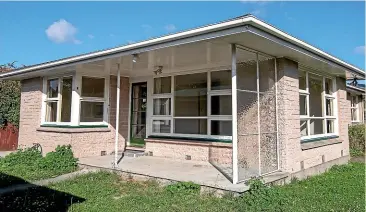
<point>9,98</point>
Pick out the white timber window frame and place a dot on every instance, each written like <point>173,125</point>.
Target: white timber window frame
<point>355,114</point>
<point>76,100</point>
<point>58,100</point>
<point>326,118</point>
<point>171,117</point>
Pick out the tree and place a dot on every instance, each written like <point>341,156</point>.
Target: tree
<point>9,98</point>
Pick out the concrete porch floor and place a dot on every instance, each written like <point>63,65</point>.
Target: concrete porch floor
<point>202,173</point>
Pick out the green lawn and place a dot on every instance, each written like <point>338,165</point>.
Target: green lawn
<point>341,189</point>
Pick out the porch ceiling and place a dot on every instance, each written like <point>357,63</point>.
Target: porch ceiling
<point>197,55</point>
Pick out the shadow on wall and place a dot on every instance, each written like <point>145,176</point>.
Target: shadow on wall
<point>30,197</point>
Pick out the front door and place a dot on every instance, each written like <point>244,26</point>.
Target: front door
<point>138,114</point>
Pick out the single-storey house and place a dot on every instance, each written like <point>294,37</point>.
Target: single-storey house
<point>241,94</point>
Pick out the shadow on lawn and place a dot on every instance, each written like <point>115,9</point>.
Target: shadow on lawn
<point>17,194</point>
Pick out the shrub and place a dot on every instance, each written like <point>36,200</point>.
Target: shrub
<point>183,188</point>
<point>61,160</point>
<point>261,197</point>
<point>28,156</point>
<point>30,165</point>
<point>357,139</point>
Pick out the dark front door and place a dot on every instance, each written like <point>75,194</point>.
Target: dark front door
<point>138,114</point>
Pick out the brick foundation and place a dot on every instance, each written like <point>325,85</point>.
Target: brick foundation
<point>197,150</point>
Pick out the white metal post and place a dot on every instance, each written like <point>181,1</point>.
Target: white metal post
<point>75,96</point>
<point>234,114</point>
<point>277,137</point>
<point>258,119</point>
<point>117,115</point>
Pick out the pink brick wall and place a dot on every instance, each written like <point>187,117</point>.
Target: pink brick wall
<point>83,144</point>
<point>291,154</point>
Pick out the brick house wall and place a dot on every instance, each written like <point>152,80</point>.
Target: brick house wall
<point>84,143</point>
<point>292,156</point>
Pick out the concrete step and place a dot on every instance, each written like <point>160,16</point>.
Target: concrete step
<point>134,153</point>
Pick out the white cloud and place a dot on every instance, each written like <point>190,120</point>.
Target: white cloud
<point>62,32</point>
<point>360,50</point>
<point>130,42</point>
<point>91,36</point>
<point>254,2</point>
<point>146,27</point>
<point>170,27</point>
<point>259,12</point>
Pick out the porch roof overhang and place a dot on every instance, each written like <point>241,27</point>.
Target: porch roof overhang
<point>244,30</point>
<point>355,90</point>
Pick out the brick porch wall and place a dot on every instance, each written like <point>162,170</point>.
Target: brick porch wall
<point>291,154</point>
<point>83,143</point>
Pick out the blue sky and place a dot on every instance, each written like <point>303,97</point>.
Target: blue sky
<point>32,33</point>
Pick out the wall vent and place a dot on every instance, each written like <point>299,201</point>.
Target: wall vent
<point>188,157</point>
<point>103,153</point>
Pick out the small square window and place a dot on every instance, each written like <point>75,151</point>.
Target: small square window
<point>92,87</point>
<point>161,126</point>
<point>52,88</point>
<point>51,111</point>
<point>162,106</point>
<point>91,111</point>
<point>162,85</point>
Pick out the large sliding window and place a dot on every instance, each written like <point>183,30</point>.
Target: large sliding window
<point>193,105</point>
<point>58,100</point>
<point>317,105</point>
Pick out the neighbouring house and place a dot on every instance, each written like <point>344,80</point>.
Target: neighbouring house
<point>241,94</point>
<point>356,97</point>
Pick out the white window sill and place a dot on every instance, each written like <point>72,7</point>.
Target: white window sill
<point>312,138</point>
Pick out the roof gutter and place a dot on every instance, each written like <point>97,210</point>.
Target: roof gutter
<point>181,35</point>
<point>354,88</point>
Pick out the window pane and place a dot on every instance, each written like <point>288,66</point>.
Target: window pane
<point>303,128</point>
<point>221,80</point>
<point>221,128</point>
<point>162,85</point>
<point>51,111</point>
<point>52,86</point>
<point>303,105</point>
<point>329,107</point>
<point>138,118</point>
<point>302,80</point>
<point>92,87</point>
<point>354,114</point>
<point>221,105</point>
<point>161,126</point>
<point>139,105</point>
<point>191,95</point>
<point>138,131</point>
<point>66,99</point>
<point>139,90</point>
<point>162,106</point>
<point>315,98</point>
<point>91,111</point>
<point>191,126</point>
<point>328,86</point>
<point>316,126</point>
<point>330,126</point>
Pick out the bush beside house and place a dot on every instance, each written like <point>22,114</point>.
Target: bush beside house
<point>357,139</point>
<point>29,164</point>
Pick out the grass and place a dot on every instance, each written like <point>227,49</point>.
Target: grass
<point>340,189</point>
